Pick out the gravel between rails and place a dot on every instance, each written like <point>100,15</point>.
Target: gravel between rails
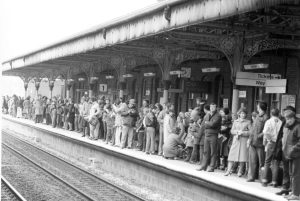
<point>32,182</point>
<point>91,185</point>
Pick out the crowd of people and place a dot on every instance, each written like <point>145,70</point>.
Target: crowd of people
<point>258,147</point>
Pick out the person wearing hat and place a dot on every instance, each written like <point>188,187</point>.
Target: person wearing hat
<point>291,155</point>
<point>239,150</point>
<point>129,116</point>
<point>212,126</point>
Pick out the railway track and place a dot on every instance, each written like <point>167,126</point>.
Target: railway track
<point>8,192</point>
<point>89,186</point>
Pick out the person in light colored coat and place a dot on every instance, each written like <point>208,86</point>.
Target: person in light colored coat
<point>239,150</point>
<point>118,108</point>
<point>38,110</point>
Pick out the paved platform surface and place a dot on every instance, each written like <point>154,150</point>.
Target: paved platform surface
<point>217,177</point>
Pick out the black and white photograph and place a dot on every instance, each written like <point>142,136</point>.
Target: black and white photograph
<point>150,100</point>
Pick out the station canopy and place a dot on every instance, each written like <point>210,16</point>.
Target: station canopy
<point>186,29</point>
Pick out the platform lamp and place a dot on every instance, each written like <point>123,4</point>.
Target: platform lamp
<point>51,86</point>
<point>70,83</point>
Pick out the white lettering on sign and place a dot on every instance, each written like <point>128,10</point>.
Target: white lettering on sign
<point>260,83</point>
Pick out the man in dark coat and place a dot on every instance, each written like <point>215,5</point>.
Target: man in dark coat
<point>291,155</point>
<point>256,149</point>
<point>212,125</point>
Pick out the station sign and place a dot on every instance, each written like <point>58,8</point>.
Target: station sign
<point>210,70</point>
<point>242,94</point>
<point>175,72</point>
<point>255,66</point>
<point>255,79</point>
<point>276,86</point>
<point>150,74</point>
<point>257,76</point>
<point>103,87</point>
<point>186,72</point>
<point>272,82</point>
<point>127,75</point>
<point>109,77</point>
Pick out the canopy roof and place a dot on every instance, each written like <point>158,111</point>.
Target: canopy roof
<point>189,25</point>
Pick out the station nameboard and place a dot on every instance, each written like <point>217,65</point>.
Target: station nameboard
<point>257,76</point>
<point>255,79</point>
<point>210,70</point>
<point>255,66</point>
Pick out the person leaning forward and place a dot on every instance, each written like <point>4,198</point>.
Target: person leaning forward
<point>212,125</point>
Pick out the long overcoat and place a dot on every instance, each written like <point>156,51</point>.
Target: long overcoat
<point>38,107</point>
<point>239,151</point>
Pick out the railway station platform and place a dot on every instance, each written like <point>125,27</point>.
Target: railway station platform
<point>168,177</point>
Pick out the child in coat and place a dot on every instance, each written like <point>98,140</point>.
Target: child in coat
<point>189,142</point>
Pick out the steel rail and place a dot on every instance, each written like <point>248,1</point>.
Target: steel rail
<point>12,189</point>
<point>118,188</point>
<point>50,173</point>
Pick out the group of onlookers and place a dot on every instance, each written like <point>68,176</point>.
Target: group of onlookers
<point>260,146</point>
